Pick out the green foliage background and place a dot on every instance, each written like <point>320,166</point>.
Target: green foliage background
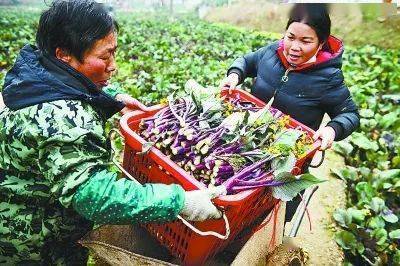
<point>158,55</point>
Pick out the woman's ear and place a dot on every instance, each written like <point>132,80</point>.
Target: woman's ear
<point>321,45</point>
<point>62,55</point>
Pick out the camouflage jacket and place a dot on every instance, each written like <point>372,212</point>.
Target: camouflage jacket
<point>55,181</point>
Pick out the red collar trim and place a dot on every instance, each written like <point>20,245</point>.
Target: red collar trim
<point>335,45</point>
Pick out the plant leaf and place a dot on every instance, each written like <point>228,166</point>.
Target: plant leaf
<point>389,174</point>
<point>343,217</point>
<point>360,140</point>
<point>289,137</point>
<point>396,258</point>
<point>357,215</point>
<point>233,121</point>
<point>283,164</point>
<point>389,216</point>
<point>343,148</point>
<point>380,235</point>
<point>365,191</point>
<point>346,240</point>
<point>293,185</point>
<point>367,113</point>
<point>377,204</point>
<point>262,116</point>
<point>395,234</point>
<point>376,222</point>
<point>346,173</point>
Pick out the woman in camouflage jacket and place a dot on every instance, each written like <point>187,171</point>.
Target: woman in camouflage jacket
<point>54,155</point>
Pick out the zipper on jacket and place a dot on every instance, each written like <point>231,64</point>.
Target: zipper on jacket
<point>285,76</point>
<point>284,79</point>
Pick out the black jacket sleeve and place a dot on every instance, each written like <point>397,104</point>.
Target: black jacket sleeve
<point>246,66</point>
<point>340,107</point>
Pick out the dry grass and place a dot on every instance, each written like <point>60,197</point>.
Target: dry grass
<point>350,22</point>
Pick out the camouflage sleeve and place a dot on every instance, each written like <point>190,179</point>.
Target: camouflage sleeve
<point>113,89</point>
<point>73,156</point>
<point>106,200</point>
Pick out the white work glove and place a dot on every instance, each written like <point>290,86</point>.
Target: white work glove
<point>198,205</point>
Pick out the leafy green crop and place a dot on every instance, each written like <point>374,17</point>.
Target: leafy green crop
<point>371,221</point>
<point>159,56</point>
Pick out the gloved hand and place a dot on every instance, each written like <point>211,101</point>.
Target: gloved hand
<point>198,205</point>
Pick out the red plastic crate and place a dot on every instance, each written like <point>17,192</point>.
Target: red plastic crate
<point>241,209</point>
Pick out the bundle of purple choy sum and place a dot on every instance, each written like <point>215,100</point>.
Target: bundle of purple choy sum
<point>226,141</point>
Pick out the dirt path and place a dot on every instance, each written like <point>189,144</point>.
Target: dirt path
<point>319,243</point>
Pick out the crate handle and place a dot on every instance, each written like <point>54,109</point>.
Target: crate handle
<point>320,162</point>
<point>209,233</point>
<point>194,229</point>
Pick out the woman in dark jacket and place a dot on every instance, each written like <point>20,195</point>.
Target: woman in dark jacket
<point>303,72</point>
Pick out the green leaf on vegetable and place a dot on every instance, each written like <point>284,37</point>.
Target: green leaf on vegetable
<point>377,204</point>
<point>389,174</point>
<point>293,185</point>
<point>262,116</point>
<point>283,164</point>
<point>390,217</point>
<point>233,121</point>
<point>346,240</point>
<point>395,234</point>
<point>365,191</point>
<point>376,222</point>
<point>357,215</point>
<point>288,137</point>
<point>346,173</point>
<point>360,140</point>
<point>343,217</point>
<point>380,235</point>
<point>366,113</point>
<point>343,148</point>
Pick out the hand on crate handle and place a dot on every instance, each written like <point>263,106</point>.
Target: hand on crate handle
<point>230,82</point>
<point>130,103</point>
<point>327,135</point>
<point>198,205</point>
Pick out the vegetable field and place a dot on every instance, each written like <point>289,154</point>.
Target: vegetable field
<point>158,55</point>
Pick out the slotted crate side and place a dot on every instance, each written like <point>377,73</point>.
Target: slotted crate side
<point>183,243</point>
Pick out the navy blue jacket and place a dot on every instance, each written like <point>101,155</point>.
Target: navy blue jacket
<point>37,78</point>
<point>306,94</point>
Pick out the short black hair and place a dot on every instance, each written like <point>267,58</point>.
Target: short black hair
<point>314,15</point>
<point>73,25</point>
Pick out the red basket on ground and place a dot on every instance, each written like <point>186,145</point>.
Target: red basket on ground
<point>241,209</point>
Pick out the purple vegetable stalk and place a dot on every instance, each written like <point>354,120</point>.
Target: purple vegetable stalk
<point>231,182</point>
<point>271,183</point>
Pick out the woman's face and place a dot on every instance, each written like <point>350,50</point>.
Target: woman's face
<point>98,63</point>
<point>300,43</point>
